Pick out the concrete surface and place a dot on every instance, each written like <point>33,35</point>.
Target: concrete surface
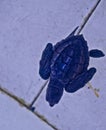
<point>25,28</point>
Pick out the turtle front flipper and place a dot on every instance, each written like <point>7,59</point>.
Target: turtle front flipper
<point>80,81</point>
<point>45,62</point>
<point>96,53</point>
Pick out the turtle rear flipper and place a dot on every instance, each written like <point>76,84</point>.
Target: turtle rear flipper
<point>96,53</point>
<point>80,81</point>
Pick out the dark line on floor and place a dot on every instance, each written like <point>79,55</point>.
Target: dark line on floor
<point>86,18</point>
<point>27,106</point>
<point>38,94</point>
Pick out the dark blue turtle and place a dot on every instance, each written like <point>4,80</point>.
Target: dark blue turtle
<point>66,63</point>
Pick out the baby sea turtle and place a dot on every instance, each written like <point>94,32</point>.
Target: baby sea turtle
<point>66,63</point>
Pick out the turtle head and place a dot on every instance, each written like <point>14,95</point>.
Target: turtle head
<point>54,93</point>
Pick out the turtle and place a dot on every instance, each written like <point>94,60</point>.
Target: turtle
<point>66,66</point>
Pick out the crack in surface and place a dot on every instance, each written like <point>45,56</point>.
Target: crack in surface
<point>38,94</point>
<point>87,17</point>
<point>23,103</point>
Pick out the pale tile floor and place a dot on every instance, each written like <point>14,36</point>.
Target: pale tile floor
<point>15,117</point>
<point>25,28</point>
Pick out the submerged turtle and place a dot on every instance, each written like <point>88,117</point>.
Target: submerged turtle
<point>66,63</point>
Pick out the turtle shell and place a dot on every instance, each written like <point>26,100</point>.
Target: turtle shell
<point>70,58</point>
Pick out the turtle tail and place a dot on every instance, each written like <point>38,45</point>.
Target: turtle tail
<point>95,53</point>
